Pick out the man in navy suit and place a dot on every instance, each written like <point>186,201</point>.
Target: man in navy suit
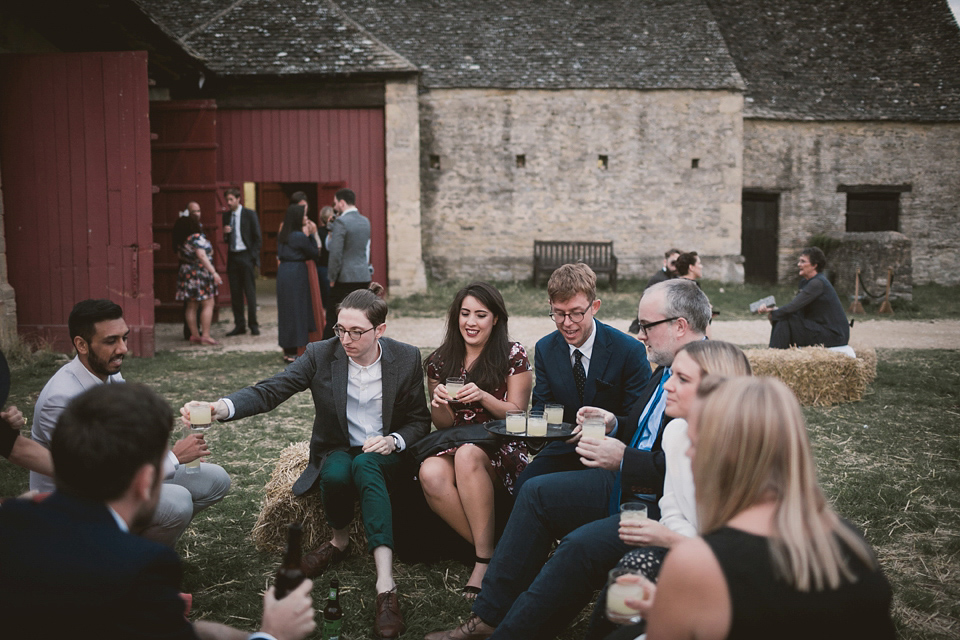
<point>71,564</point>
<point>583,362</point>
<point>241,231</point>
<point>525,595</point>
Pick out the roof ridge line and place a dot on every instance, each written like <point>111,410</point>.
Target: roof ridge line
<point>219,15</point>
<point>340,11</point>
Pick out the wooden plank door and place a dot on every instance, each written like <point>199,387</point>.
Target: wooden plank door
<point>759,239</point>
<point>75,157</point>
<point>184,151</point>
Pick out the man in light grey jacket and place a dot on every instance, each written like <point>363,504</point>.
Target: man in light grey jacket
<point>349,266</point>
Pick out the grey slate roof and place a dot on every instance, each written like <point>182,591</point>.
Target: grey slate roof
<point>845,59</point>
<point>554,44</point>
<point>274,37</point>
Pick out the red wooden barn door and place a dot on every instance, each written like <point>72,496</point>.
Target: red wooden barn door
<point>184,150</point>
<point>75,158</point>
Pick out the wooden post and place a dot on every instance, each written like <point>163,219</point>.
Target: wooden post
<point>885,307</point>
<point>855,306</point>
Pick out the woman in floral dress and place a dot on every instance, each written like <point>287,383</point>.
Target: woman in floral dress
<point>459,483</point>
<point>197,280</point>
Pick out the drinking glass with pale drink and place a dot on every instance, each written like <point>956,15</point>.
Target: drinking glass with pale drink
<point>453,387</point>
<point>200,419</point>
<point>622,585</point>
<point>537,424</point>
<point>516,421</point>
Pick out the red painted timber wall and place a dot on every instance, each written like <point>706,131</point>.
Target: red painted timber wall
<point>75,154</point>
<point>311,145</point>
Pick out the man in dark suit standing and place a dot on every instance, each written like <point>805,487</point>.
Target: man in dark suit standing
<point>349,266</point>
<point>583,362</point>
<point>241,230</point>
<point>525,595</point>
<point>370,403</point>
<point>70,564</point>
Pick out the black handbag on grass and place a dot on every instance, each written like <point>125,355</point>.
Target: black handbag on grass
<point>443,439</point>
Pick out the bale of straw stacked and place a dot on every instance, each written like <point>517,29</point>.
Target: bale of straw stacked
<point>280,507</point>
<point>818,376</point>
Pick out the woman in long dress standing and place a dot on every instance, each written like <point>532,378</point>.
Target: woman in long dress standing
<point>459,483</point>
<point>297,248</point>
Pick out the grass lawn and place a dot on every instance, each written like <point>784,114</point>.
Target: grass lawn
<point>891,464</point>
<point>929,302</point>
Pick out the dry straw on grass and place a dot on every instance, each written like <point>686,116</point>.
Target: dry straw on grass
<point>280,507</point>
<point>818,376</point>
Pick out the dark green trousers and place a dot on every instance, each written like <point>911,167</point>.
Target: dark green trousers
<point>347,475</point>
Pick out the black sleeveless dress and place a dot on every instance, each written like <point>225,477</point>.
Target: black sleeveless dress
<point>765,606</point>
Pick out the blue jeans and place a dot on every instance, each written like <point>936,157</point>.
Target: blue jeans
<point>525,596</point>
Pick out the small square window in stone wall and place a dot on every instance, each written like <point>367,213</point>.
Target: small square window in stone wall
<point>873,211</point>
<point>435,162</point>
<point>695,163</point>
<point>521,161</point>
<point>603,162</point>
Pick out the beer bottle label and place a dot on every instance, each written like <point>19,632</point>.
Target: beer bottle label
<point>331,629</point>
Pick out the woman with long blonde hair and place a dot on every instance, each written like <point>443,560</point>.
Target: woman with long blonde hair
<point>774,559</point>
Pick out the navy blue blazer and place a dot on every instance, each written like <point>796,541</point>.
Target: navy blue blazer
<point>642,471</point>
<point>615,380</point>
<point>67,570</point>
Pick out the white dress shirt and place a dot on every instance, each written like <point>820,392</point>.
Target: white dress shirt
<point>586,349</point>
<point>237,236</point>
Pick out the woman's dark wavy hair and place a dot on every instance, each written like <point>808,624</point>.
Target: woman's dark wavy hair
<point>292,222</point>
<point>489,369</point>
<point>183,228</point>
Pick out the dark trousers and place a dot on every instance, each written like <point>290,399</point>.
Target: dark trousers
<point>338,292</point>
<point>242,274</point>
<point>527,596</point>
<point>555,457</point>
<point>794,330</point>
<point>352,474</point>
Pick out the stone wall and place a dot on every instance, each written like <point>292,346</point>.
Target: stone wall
<point>482,207</point>
<point>873,254</point>
<point>806,161</point>
<point>401,113</point>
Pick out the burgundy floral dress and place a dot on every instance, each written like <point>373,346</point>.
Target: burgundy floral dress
<point>512,456</point>
<point>193,281</point>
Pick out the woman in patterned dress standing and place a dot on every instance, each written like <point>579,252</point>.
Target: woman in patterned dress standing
<point>197,280</point>
<point>459,483</point>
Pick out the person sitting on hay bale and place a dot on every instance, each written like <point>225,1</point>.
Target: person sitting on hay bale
<point>370,403</point>
<point>815,316</point>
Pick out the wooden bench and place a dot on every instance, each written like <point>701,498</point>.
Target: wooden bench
<point>549,255</point>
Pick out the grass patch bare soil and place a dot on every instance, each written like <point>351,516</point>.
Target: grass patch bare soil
<point>891,464</point>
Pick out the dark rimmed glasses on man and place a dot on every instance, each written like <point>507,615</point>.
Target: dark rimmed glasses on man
<point>355,334</point>
<point>646,327</point>
<point>560,318</point>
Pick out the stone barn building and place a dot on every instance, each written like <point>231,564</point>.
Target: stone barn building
<point>738,128</point>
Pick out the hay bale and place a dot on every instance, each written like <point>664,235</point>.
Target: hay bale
<point>818,376</point>
<point>280,507</point>
<point>869,357</point>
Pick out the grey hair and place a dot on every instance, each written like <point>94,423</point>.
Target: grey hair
<point>684,299</point>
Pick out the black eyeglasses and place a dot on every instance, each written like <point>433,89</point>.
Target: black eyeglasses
<point>560,318</point>
<point>646,327</point>
<point>355,334</point>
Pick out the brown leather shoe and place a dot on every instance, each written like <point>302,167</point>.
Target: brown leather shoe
<point>388,622</point>
<point>316,562</point>
<point>473,629</point>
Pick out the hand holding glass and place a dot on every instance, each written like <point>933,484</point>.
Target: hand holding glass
<point>200,419</point>
<point>624,584</point>
<point>593,427</point>
<point>453,387</point>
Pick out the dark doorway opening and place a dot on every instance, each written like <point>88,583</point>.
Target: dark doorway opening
<point>760,226</point>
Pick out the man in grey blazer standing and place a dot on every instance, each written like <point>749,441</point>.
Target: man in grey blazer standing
<point>349,266</point>
<point>370,404</point>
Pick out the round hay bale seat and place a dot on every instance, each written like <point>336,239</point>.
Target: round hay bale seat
<point>818,376</point>
<point>280,508</point>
